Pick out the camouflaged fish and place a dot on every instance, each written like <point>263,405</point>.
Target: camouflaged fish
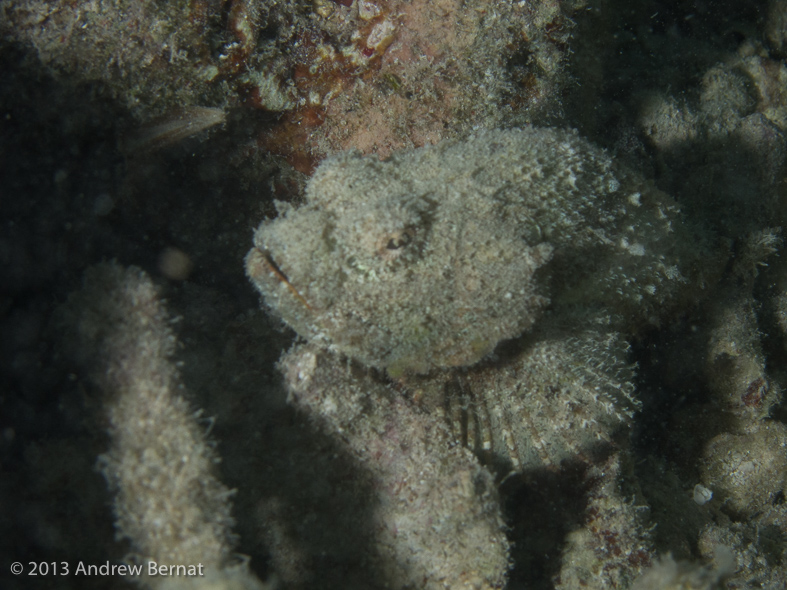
<point>429,259</point>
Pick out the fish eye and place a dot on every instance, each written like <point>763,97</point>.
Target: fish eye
<point>398,241</point>
<point>393,244</point>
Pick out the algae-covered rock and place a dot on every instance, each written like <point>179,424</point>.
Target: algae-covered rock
<point>668,574</point>
<point>431,258</point>
<point>169,502</point>
<point>437,521</point>
<point>748,471</point>
<point>614,545</point>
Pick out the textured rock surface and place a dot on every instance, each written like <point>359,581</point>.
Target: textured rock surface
<point>431,258</point>
<point>614,546</point>
<point>437,519</point>
<point>169,502</point>
<point>748,471</point>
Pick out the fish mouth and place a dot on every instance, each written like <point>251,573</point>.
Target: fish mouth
<point>260,263</point>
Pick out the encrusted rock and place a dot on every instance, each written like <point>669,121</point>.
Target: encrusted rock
<point>437,520</point>
<point>748,471</point>
<point>613,546</point>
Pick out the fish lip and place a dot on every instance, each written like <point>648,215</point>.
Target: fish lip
<point>260,258</point>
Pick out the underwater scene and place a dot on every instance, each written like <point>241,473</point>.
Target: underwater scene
<point>393,294</point>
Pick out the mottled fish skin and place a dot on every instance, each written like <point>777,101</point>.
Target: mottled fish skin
<point>427,260</point>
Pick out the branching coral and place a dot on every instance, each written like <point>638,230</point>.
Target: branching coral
<point>169,502</point>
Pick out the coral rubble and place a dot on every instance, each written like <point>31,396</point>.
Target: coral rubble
<point>169,502</point>
<point>414,72</point>
<point>437,521</point>
<point>613,548</point>
<point>518,362</point>
<point>135,49</point>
